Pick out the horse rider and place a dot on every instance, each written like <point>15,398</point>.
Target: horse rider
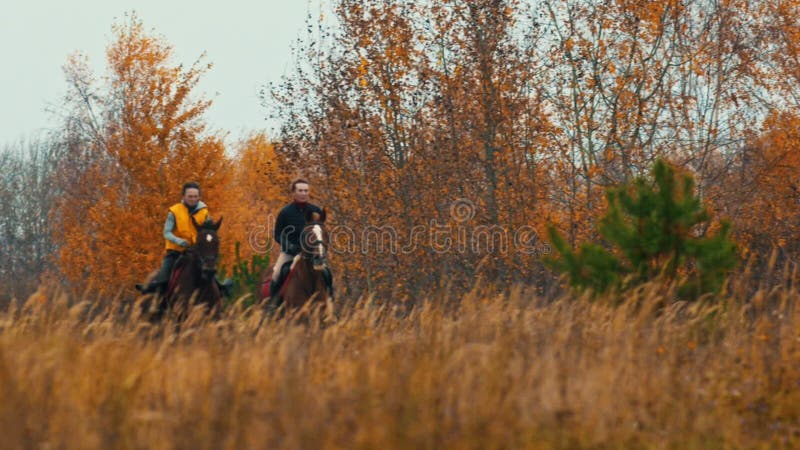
<point>180,234</point>
<point>288,226</point>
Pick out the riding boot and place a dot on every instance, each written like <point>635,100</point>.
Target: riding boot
<point>160,281</point>
<point>150,288</point>
<point>273,289</point>
<point>225,286</point>
<point>328,277</point>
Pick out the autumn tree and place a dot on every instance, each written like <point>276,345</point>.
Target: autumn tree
<point>765,198</point>
<point>411,111</point>
<point>527,112</point>
<point>491,128</point>
<point>27,197</point>
<point>351,123</point>
<point>134,141</point>
<point>631,81</point>
<point>257,190</point>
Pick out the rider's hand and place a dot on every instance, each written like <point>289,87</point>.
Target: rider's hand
<point>184,243</point>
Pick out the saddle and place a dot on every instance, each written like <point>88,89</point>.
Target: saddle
<point>172,284</point>
<point>286,270</point>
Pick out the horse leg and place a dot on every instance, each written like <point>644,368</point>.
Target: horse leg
<point>271,300</point>
<point>149,308</point>
<point>327,276</point>
<point>212,299</point>
<point>180,300</point>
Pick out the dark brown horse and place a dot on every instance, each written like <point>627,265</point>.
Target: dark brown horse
<point>307,280</point>
<point>193,280</point>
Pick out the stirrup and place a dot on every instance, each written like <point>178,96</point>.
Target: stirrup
<point>273,289</point>
<point>226,287</point>
<point>150,288</point>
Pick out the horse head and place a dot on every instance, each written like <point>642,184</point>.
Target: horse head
<point>314,239</point>
<point>207,246</point>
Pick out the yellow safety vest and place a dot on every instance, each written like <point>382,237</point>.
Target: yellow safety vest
<point>184,228</point>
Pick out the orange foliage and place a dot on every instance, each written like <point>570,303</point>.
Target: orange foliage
<point>767,207</point>
<point>147,139</point>
<point>423,146</point>
<point>258,189</point>
<point>445,121</point>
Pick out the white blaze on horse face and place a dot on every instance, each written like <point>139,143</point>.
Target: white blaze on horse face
<point>209,238</point>
<point>318,234</point>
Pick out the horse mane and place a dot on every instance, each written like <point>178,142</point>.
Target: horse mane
<point>316,218</point>
<point>208,224</point>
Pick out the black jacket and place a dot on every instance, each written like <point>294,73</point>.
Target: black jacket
<point>290,222</point>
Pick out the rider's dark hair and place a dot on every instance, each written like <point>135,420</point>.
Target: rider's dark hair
<point>190,185</point>
<point>298,181</point>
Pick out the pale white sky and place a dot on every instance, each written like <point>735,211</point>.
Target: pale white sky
<point>248,41</point>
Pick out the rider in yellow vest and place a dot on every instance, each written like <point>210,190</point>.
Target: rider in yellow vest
<point>179,235</point>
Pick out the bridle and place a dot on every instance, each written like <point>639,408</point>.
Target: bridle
<point>308,247</point>
<point>208,263</point>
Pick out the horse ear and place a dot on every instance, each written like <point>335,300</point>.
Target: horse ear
<point>322,216</point>
<point>194,222</point>
<point>218,224</point>
<point>309,215</point>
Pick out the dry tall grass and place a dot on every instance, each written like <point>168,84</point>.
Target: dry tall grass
<point>508,371</point>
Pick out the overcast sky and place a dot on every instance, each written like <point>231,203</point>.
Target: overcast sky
<point>248,42</point>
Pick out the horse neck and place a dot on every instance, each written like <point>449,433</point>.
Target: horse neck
<point>307,266</point>
<point>195,268</point>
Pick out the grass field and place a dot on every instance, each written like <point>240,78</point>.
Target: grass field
<point>482,372</point>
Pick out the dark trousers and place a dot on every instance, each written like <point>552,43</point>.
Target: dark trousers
<point>162,277</point>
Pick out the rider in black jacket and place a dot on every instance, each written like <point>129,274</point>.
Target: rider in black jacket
<point>288,226</point>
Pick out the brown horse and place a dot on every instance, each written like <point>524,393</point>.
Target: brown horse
<point>193,280</point>
<point>307,280</point>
